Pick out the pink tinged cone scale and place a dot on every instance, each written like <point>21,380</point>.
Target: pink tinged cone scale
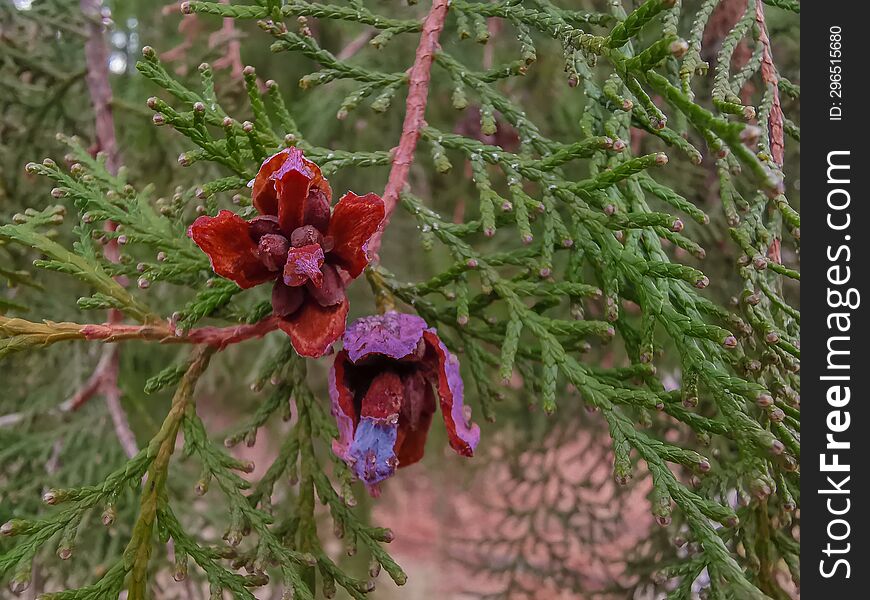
<point>308,249</point>
<point>384,385</point>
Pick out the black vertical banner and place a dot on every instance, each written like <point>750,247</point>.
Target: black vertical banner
<point>835,166</point>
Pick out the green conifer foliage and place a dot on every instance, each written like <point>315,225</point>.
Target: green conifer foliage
<point>573,250</point>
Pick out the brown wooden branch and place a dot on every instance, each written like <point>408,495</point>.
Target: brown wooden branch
<point>415,111</point>
<point>232,58</point>
<point>771,78</point>
<point>219,337</point>
<point>357,44</point>
<point>100,91</point>
<point>104,379</point>
<point>97,78</point>
<point>23,333</point>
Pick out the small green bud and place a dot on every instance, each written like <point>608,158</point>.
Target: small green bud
<point>108,516</point>
<point>179,572</point>
<point>764,400</point>
<point>458,98</point>
<point>750,134</point>
<point>14,527</point>
<point>382,534</point>
<point>53,497</point>
<point>487,120</point>
<point>21,579</point>
<point>678,48</point>
<point>374,567</point>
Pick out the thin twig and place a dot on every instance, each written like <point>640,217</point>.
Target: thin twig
<point>112,394</point>
<point>100,91</point>
<point>189,27</point>
<point>415,111</point>
<point>104,379</point>
<point>33,333</point>
<point>97,78</point>
<point>232,57</point>
<point>219,337</point>
<point>357,44</point>
<point>96,383</point>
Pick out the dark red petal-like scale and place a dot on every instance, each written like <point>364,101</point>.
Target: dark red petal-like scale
<point>354,221</point>
<point>305,235</point>
<point>272,251</point>
<point>319,183</point>
<point>414,419</point>
<point>372,454</point>
<point>343,408</point>
<point>317,211</point>
<point>263,194</point>
<point>383,398</point>
<point>263,225</point>
<point>461,432</point>
<point>314,328</point>
<point>286,300</point>
<point>292,188</point>
<point>331,289</point>
<point>282,187</point>
<point>298,183</point>
<point>303,265</point>
<point>232,252</point>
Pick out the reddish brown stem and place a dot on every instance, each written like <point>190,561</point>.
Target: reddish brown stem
<point>232,57</point>
<point>104,379</point>
<point>356,44</point>
<point>105,376</point>
<point>100,91</point>
<point>415,111</point>
<point>771,78</point>
<point>97,78</point>
<point>219,337</point>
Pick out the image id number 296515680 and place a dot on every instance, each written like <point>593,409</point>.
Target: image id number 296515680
<point>835,73</point>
